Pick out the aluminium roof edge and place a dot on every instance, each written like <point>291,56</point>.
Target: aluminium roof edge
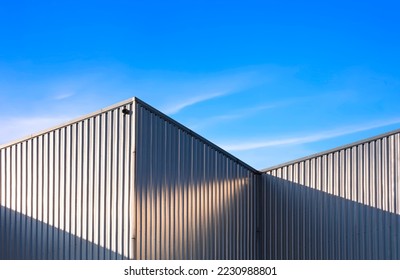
<point>125,102</point>
<point>194,134</point>
<point>326,152</point>
<point>75,120</point>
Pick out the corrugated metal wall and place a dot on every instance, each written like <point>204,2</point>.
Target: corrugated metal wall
<point>65,193</point>
<point>123,184</point>
<point>193,200</point>
<point>344,204</point>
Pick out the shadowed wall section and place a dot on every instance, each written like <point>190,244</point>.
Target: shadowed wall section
<point>65,189</point>
<point>193,200</point>
<point>342,204</point>
<point>24,238</point>
<point>128,182</point>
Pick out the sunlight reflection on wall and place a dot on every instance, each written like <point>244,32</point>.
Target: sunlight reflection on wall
<point>193,201</point>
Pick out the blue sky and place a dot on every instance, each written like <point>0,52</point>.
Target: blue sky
<point>269,81</point>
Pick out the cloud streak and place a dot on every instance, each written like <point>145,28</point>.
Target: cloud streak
<point>63,96</point>
<point>192,101</point>
<point>176,92</point>
<point>309,138</point>
<point>240,114</point>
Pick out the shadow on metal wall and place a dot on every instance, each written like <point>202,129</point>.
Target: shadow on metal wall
<point>230,231</point>
<point>304,223</point>
<point>205,220</point>
<point>22,237</point>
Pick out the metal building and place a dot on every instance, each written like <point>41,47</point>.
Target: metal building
<point>339,204</point>
<point>128,182</point>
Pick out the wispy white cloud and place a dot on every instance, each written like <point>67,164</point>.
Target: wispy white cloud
<point>64,95</point>
<point>175,108</point>
<point>259,109</point>
<point>239,114</point>
<point>174,92</point>
<point>308,138</point>
<point>256,109</point>
<point>214,86</point>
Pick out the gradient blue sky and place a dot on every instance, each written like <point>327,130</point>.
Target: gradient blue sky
<point>269,81</point>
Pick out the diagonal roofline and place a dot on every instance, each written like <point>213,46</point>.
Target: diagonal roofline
<point>75,120</point>
<point>126,102</point>
<point>326,152</point>
<point>196,135</point>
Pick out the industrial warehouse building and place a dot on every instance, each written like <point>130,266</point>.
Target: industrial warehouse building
<point>128,182</point>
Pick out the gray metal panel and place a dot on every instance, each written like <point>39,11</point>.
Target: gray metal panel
<point>64,193</point>
<point>343,204</point>
<point>344,147</point>
<point>193,200</point>
<point>140,185</point>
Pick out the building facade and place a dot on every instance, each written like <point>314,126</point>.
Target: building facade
<point>128,182</point>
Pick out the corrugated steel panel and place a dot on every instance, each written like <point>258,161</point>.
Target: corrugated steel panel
<point>65,193</point>
<point>193,200</point>
<point>342,204</point>
<point>133,183</point>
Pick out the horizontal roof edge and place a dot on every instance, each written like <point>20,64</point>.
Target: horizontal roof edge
<point>343,147</point>
<point>78,119</point>
<point>191,132</point>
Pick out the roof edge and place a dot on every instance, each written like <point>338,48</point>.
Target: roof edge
<point>326,152</point>
<point>75,120</point>
<point>119,104</point>
<point>194,134</point>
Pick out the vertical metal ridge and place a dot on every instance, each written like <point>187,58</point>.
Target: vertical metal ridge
<point>64,194</point>
<point>193,201</point>
<point>136,184</point>
<point>346,202</point>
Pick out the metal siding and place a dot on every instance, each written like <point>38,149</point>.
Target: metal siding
<point>193,201</point>
<point>142,186</point>
<point>340,205</point>
<point>64,193</point>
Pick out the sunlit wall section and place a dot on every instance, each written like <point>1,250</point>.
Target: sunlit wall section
<point>64,193</point>
<point>341,204</point>
<point>193,200</point>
